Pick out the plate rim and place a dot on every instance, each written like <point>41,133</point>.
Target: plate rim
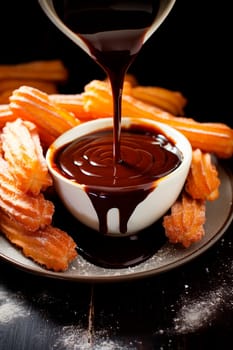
<point>40,271</point>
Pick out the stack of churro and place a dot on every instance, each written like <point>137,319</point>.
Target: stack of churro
<point>25,213</point>
<point>43,75</point>
<point>185,223</point>
<point>34,118</point>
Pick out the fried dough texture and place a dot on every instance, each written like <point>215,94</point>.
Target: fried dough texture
<point>171,101</point>
<point>202,181</point>
<point>214,138</point>
<point>6,114</point>
<point>53,114</point>
<point>32,104</point>
<point>185,223</point>
<point>24,154</point>
<point>96,102</point>
<point>33,212</point>
<point>25,214</point>
<point>50,247</point>
<point>47,70</point>
<point>10,86</point>
<point>45,75</point>
<point>36,116</point>
<point>73,103</point>
<point>168,100</point>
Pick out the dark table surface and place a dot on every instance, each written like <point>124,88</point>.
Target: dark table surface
<point>189,307</point>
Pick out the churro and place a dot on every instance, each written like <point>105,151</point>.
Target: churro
<point>185,223</point>
<point>32,104</point>
<point>25,214</point>
<point>33,212</point>
<point>50,247</point>
<point>43,75</point>
<point>202,181</point>
<point>6,114</point>
<point>73,103</point>
<point>210,137</point>
<point>7,86</point>
<point>171,101</point>
<point>34,118</point>
<point>49,70</point>
<point>23,152</point>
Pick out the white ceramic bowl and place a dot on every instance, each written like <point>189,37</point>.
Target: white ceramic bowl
<point>154,206</point>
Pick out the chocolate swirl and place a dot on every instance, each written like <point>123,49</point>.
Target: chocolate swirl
<point>145,157</point>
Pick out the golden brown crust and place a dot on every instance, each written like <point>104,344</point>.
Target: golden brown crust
<point>185,223</point>
<point>54,113</point>
<point>202,181</point>
<point>25,214</point>
<point>73,103</point>
<point>45,75</point>
<point>34,105</point>
<point>171,101</point>
<point>210,137</point>
<point>50,247</point>
<point>23,152</point>
<point>49,70</point>
<point>48,87</point>
<point>6,115</point>
<point>33,212</point>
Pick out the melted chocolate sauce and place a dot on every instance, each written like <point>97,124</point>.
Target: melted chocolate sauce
<point>147,155</point>
<point>109,251</point>
<point>121,167</point>
<point>113,32</point>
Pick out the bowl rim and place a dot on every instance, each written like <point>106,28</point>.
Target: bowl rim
<point>68,136</point>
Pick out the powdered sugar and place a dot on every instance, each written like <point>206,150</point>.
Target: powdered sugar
<point>11,308</point>
<point>199,312</point>
<point>76,338</point>
<point>196,310</point>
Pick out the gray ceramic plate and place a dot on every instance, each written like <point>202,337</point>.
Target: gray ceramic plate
<point>219,217</point>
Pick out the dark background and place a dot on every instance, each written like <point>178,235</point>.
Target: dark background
<point>190,52</point>
<point>188,308</point>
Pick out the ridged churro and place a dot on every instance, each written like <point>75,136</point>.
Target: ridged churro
<point>45,75</point>
<point>48,87</point>
<point>8,85</point>
<point>33,212</point>
<point>50,247</point>
<point>171,101</point>
<point>210,137</point>
<point>32,104</point>
<point>6,114</point>
<point>185,223</point>
<point>25,214</point>
<point>202,181</point>
<point>24,154</point>
<point>48,70</point>
<point>34,118</point>
<point>74,103</point>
